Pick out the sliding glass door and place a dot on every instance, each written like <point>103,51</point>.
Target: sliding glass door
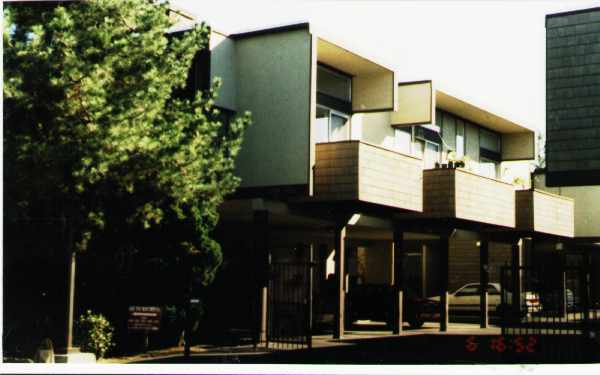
<point>331,126</point>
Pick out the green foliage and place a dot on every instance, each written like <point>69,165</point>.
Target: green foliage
<point>95,135</point>
<point>95,334</point>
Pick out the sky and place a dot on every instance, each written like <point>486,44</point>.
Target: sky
<point>489,53</point>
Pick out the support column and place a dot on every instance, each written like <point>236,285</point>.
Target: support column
<point>444,257</point>
<point>517,263</point>
<point>424,271</point>
<point>340,272</point>
<point>398,289</point>
<point>70,311</point>
<point>262,253</point>
<point>484,278</point>
<point>309,302</point>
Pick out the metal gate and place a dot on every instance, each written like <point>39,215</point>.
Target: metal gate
<point>550,310</point>
<point>290,306</point>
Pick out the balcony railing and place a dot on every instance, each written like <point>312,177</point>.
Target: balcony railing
<point>358,171</point>
<point>539,211</point>
<point>459,194</point>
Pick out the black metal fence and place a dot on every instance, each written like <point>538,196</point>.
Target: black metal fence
<point>552,308</point>
<point>290,306</point>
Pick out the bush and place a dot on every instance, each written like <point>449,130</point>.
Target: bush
<point>95,334</point>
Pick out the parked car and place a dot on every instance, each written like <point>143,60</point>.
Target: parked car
<point>375,302</point>
<point>465,300</point>
<point>553,300</point>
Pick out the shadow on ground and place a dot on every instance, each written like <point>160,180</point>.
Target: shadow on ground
<point>410,349</point>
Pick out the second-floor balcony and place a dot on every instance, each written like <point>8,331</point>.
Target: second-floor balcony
<point>455,193</point>
<point>358,171</point>
<point>543,212</point>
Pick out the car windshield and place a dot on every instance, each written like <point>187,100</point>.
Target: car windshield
<point>469,290</point>
<point>473,289</point>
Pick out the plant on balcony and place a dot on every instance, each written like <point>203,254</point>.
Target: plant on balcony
<point>462,162</point>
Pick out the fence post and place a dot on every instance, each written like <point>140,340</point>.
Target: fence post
<point>310,286</point>
<point>516,278</point>
<point>584,274</point>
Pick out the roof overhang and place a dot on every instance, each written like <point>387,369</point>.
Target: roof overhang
<point>373,85</point>
<point>478,115</point>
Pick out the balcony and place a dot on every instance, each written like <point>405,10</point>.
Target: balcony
<point>357,171</point>
<point>539,211</point>
<point>460,194</point>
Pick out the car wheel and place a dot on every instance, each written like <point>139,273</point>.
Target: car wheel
<point>415,321</point>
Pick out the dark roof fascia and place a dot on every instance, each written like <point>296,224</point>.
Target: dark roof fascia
<point>272,30</point>
<point>572,12</point>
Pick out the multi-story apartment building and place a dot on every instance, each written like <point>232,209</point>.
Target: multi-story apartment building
<point>573,98</point>
<point>573,129</point>
<point>378,182</point>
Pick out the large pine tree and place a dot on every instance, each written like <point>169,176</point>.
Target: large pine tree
<point>96,139</point>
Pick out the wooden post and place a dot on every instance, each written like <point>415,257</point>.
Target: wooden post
<point>309,297</point>
<point>483,281</point>
<point>424,271</point>
<point>444,258</point>
<point>398,251</point>
<point>71,308</point>
<point>261,248</point>
<point>340,259</point>
<point>517,292</point>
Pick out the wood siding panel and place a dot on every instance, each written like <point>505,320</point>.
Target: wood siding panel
<point>484,200</point>
<point>336,171</point>
<point>545,213</point>
<point>354,170</point>
<point>456,193</point>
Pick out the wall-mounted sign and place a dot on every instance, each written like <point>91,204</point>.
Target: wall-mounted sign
<point>144,318</point>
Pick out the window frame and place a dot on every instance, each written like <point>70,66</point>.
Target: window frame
<point>339,114</point>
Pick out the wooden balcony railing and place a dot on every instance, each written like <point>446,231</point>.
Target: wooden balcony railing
<point>358,171</point>
<point>460,194</point>
<point>543,212</point>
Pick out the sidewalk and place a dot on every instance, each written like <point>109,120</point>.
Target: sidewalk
<point>364,338</point>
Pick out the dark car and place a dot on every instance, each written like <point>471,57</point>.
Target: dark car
<point>376,303</point>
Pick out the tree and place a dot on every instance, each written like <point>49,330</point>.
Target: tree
<point>95,135</point>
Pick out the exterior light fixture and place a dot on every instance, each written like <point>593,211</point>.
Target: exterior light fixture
<point>354,219</point>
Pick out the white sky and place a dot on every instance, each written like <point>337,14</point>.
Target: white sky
<point>490,53</point>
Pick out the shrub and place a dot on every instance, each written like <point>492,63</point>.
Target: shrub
<point>95,334</point>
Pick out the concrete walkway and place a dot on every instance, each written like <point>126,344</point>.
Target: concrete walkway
<point>364,338</point>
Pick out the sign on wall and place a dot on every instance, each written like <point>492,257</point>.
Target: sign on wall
<point>144,318</point>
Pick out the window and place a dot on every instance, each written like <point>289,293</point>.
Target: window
<point>460,138</point>
<point>492,290</point>
<point>489,140</point>
<point>339,127</point>
<point>432,154</point>
<point>331,126</point>
<point>334,84</point>
<point>489,168</point>
<point>469,290</point>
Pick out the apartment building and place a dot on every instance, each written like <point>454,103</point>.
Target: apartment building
<point>372,181</point>
<point>573,98</point>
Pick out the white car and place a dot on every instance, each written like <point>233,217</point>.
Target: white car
<point>466,299</point>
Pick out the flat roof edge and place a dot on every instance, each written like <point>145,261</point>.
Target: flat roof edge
<point>572,12</point>
<point>521,128</point>
<point>271,30</point>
